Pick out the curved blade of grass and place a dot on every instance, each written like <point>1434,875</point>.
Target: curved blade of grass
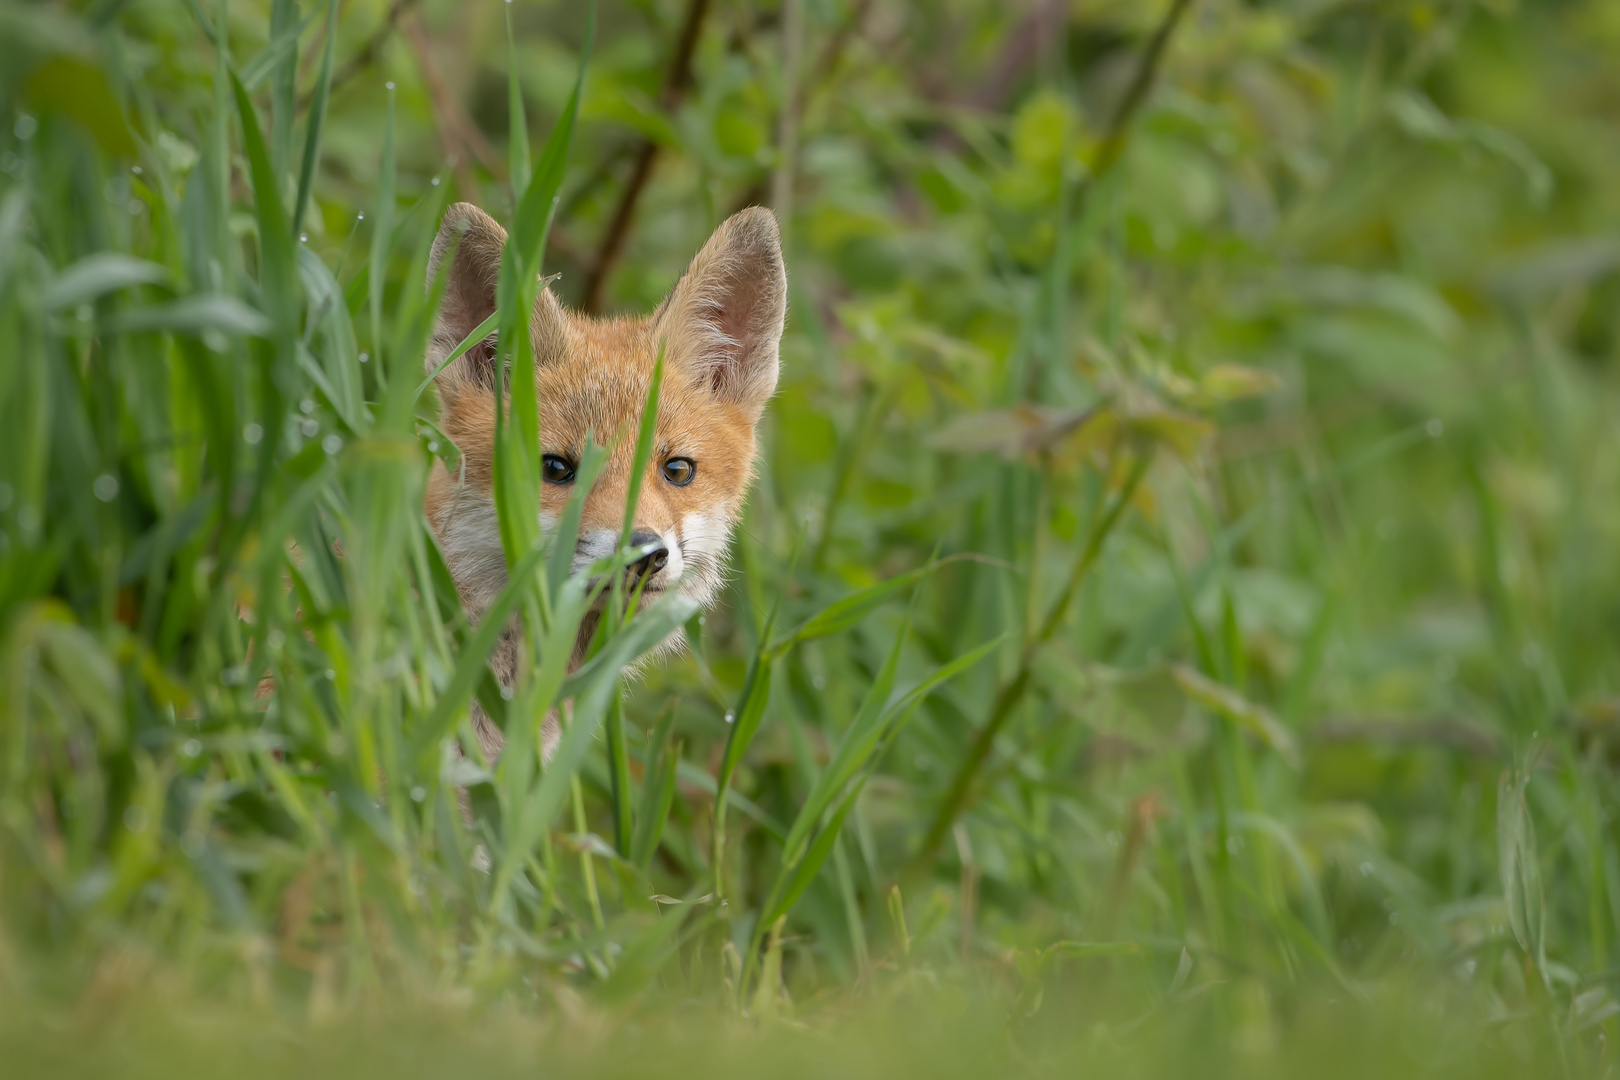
<point>517,451</point>
<point>590,708</point>
<point>790,888</point>
<point>477,334</point>
<point>870,731</point>
<point>317,119</point>
<point>857,744</point>
<point>99,274</point>
<point>845,613</point>
<point>657,791</point>
<point>470,666</point>
<point>382,237</point>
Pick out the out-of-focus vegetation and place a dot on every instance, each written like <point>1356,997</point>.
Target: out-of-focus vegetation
<point>1176,620</point>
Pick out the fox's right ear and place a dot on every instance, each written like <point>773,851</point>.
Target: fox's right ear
<point>472,242</point>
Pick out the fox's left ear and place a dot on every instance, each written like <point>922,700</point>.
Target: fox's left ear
<point>723,322</point>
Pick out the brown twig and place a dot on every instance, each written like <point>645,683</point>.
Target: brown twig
<point>676,82</point>
<point>458,134</point>
<point>368,52</point>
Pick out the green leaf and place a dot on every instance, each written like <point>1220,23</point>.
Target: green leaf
<point>192,315</point>
<point>1222,701</point>
<point>849,611</point>
<point>99,274</point>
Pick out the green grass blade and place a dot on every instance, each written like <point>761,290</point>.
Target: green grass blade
<point>316,121</point>
<point>620,791</point>
<point>382,239</point>
<point>517,120</point>
<point>657,789</point>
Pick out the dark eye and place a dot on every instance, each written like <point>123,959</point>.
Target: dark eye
<point>556,470</point>
<point>679,471</point>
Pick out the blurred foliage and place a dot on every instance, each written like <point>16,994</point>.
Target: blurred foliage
<point>1242,376</point>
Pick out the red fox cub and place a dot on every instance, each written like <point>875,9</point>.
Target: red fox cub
<point>720,329</point>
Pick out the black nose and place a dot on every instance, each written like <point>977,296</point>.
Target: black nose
<point>652,562</point>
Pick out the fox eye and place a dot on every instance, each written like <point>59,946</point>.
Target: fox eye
<point>556,470</point>
<point>679,471</point>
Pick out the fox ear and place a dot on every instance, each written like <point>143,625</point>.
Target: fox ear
<point>472,241</point>
<point>723,322</point>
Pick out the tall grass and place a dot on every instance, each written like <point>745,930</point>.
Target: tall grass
<point>1202,629</point>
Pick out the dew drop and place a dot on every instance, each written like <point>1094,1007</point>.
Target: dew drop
<point>303,238</point>
<point>433,447</point>
<point>191,747</point>
<point>364,357</point>
<point>731,717</point>
<point>310,428</point>
<point>252,434</point>
<point>106,487</point>
<point>361,216</point>
<point>332,443</point>
<point>26,125</point>
<point>435,181</point>
<point>136,206</point>
<point>418,793</point>
<point>306,406</point>
<point>1435,427</point>
<point>389,84</point>
<point>136,169</point>
<point>506,693</point>
<point>276,639</point>
<point>331,673</point>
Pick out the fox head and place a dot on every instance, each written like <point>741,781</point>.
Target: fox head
<point>719,328</point>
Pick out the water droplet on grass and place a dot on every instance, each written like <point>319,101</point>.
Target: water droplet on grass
<point>332,443</point>
<point>418,793</point>
<point>106,487</point>
<point>731,717</point>
<point>26,125</point>
<point>310,428</point>
<point>252,434</point>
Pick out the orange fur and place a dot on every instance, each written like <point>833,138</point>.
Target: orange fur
<point>720,329</point>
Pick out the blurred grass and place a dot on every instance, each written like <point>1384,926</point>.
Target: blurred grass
<point>1175,621</point>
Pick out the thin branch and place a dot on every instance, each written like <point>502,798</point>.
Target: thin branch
<point>458,134</point>
<point>367,55</point>
<point>962,790</point>
<point>676,82</point>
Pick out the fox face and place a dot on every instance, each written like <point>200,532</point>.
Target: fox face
<point>720,328</point>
